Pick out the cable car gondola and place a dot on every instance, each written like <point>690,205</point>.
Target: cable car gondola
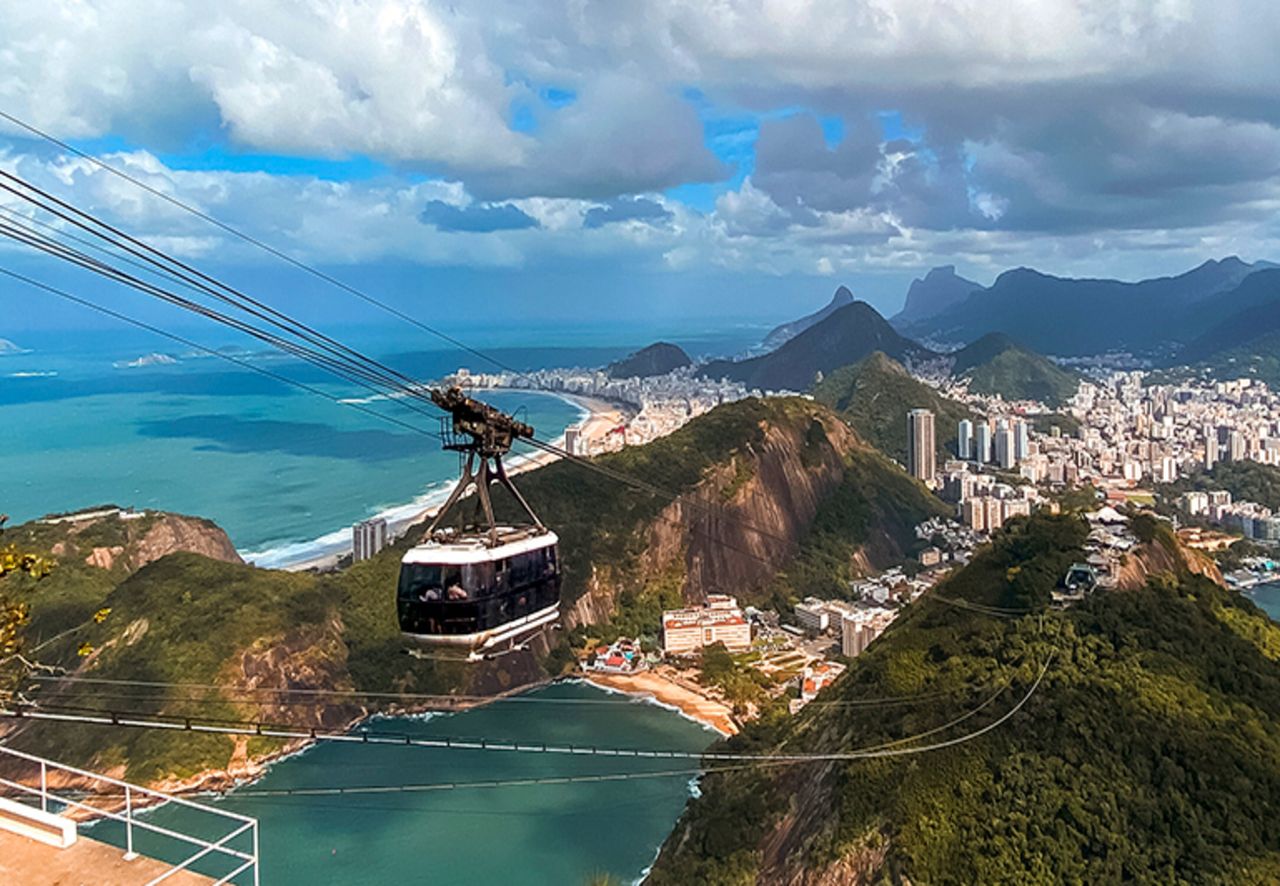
<point>481,586</point>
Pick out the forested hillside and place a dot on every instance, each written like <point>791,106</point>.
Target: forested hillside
<point>875,395</point>
<point>1146,753</point>
<point>730,500</point>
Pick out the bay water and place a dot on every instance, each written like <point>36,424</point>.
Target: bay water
<point>517,835</point>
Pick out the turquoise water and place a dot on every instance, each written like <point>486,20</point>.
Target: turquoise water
<point>276,467</point>
<point>285,472</point>
<point>1267,597</point>
<point>518,836</point>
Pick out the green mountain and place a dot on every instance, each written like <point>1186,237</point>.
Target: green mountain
<point>744,493</point>
<point>782,334</point>
<point>995,364</point>
<point>875,395</point>
<point>658,358</point>
<point>1132,737</point>
<point>845,336</point>
<point>1259,358</point>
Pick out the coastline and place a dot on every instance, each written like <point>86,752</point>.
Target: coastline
<point>596,418</point>
<point>655,688</point>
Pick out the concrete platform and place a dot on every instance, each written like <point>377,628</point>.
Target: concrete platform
<point>25,862</point>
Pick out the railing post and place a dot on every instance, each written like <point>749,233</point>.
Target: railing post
<point>44,786</point>
<point>129,854</point>
<point>257,860</point>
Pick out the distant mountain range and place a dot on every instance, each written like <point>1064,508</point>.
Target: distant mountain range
<point>787,331</point>
<point>995,364</point>
<point>939,290</point>
<point>844,336</point>
<point>1059,315</point>
<point>840,345</point>
<point>658,358</point>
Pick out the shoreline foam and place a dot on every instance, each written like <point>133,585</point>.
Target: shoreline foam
<point>657,690</point>
<point>326,550</point>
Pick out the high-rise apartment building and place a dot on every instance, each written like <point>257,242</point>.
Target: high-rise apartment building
<point>964,439</point>
<point>982,442</point>
<point>367,538</point>
<point>921,445</point>
<point>1005,446</point>
<point>1021,440</point>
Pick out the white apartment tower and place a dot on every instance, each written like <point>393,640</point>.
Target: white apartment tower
<point>964,440</point>
<point>1021,440</point>
<point>1005,452</point>
<point>921,445</point>
<point>982,443</point>
<point>367,538</point>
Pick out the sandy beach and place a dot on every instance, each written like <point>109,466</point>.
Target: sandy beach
<point>650,685</point>
<point>602,417</point>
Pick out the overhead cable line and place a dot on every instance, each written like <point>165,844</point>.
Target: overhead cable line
<point>68,210</point>
<point>60,293</point>
<point>248,238</point>
<point>330,364</point>
<point>455,702</point>
<point>23,710</point>
<point>210,285</point>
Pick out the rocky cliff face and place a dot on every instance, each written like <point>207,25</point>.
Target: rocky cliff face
<point>1164,558</point>
<point>112,539</point>
<point>746,519</point>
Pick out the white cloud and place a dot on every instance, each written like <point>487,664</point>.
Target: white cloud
<point>1054,131</point>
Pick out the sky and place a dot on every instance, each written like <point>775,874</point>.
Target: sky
<point>708,161</point>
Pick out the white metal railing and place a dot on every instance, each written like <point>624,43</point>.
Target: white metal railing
<point>240,823</point>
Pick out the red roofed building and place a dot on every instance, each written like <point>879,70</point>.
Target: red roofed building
<point>688,630</point>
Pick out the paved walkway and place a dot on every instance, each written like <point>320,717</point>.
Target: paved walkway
<point>25,862</point>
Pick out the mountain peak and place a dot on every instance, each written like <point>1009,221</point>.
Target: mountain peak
<point>940,289</point>
<point>847,335</point>
<point>780,335</point>
<point>658,358</point>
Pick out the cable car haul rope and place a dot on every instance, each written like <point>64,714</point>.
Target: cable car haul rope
<point>474,586</point>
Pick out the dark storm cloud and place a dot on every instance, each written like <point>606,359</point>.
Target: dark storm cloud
<point>476,218</point>
<point>627,209</point>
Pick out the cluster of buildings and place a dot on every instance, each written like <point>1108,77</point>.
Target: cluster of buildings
<point>856,624</point>
<point>950,543</point>
<point>687,631</point>
<point>1133,433</point>
<point>368,537</point>
<point>622,656</point>
<point>1251,519</point>
<point>1006,445</point>
<point>661,403</point>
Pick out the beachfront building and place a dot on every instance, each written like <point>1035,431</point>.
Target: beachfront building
<point>622,656</point>
<point>367,538</point>
<point>686,631</point>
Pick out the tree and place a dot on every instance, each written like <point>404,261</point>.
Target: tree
<point>14,614</point>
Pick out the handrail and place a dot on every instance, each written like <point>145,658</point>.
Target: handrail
<point>249,860</point>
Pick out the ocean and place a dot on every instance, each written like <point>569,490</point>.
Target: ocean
<point>523,835</point>
<point>1267,596</point>
<point>131,419</point>
<point>136,420</point>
